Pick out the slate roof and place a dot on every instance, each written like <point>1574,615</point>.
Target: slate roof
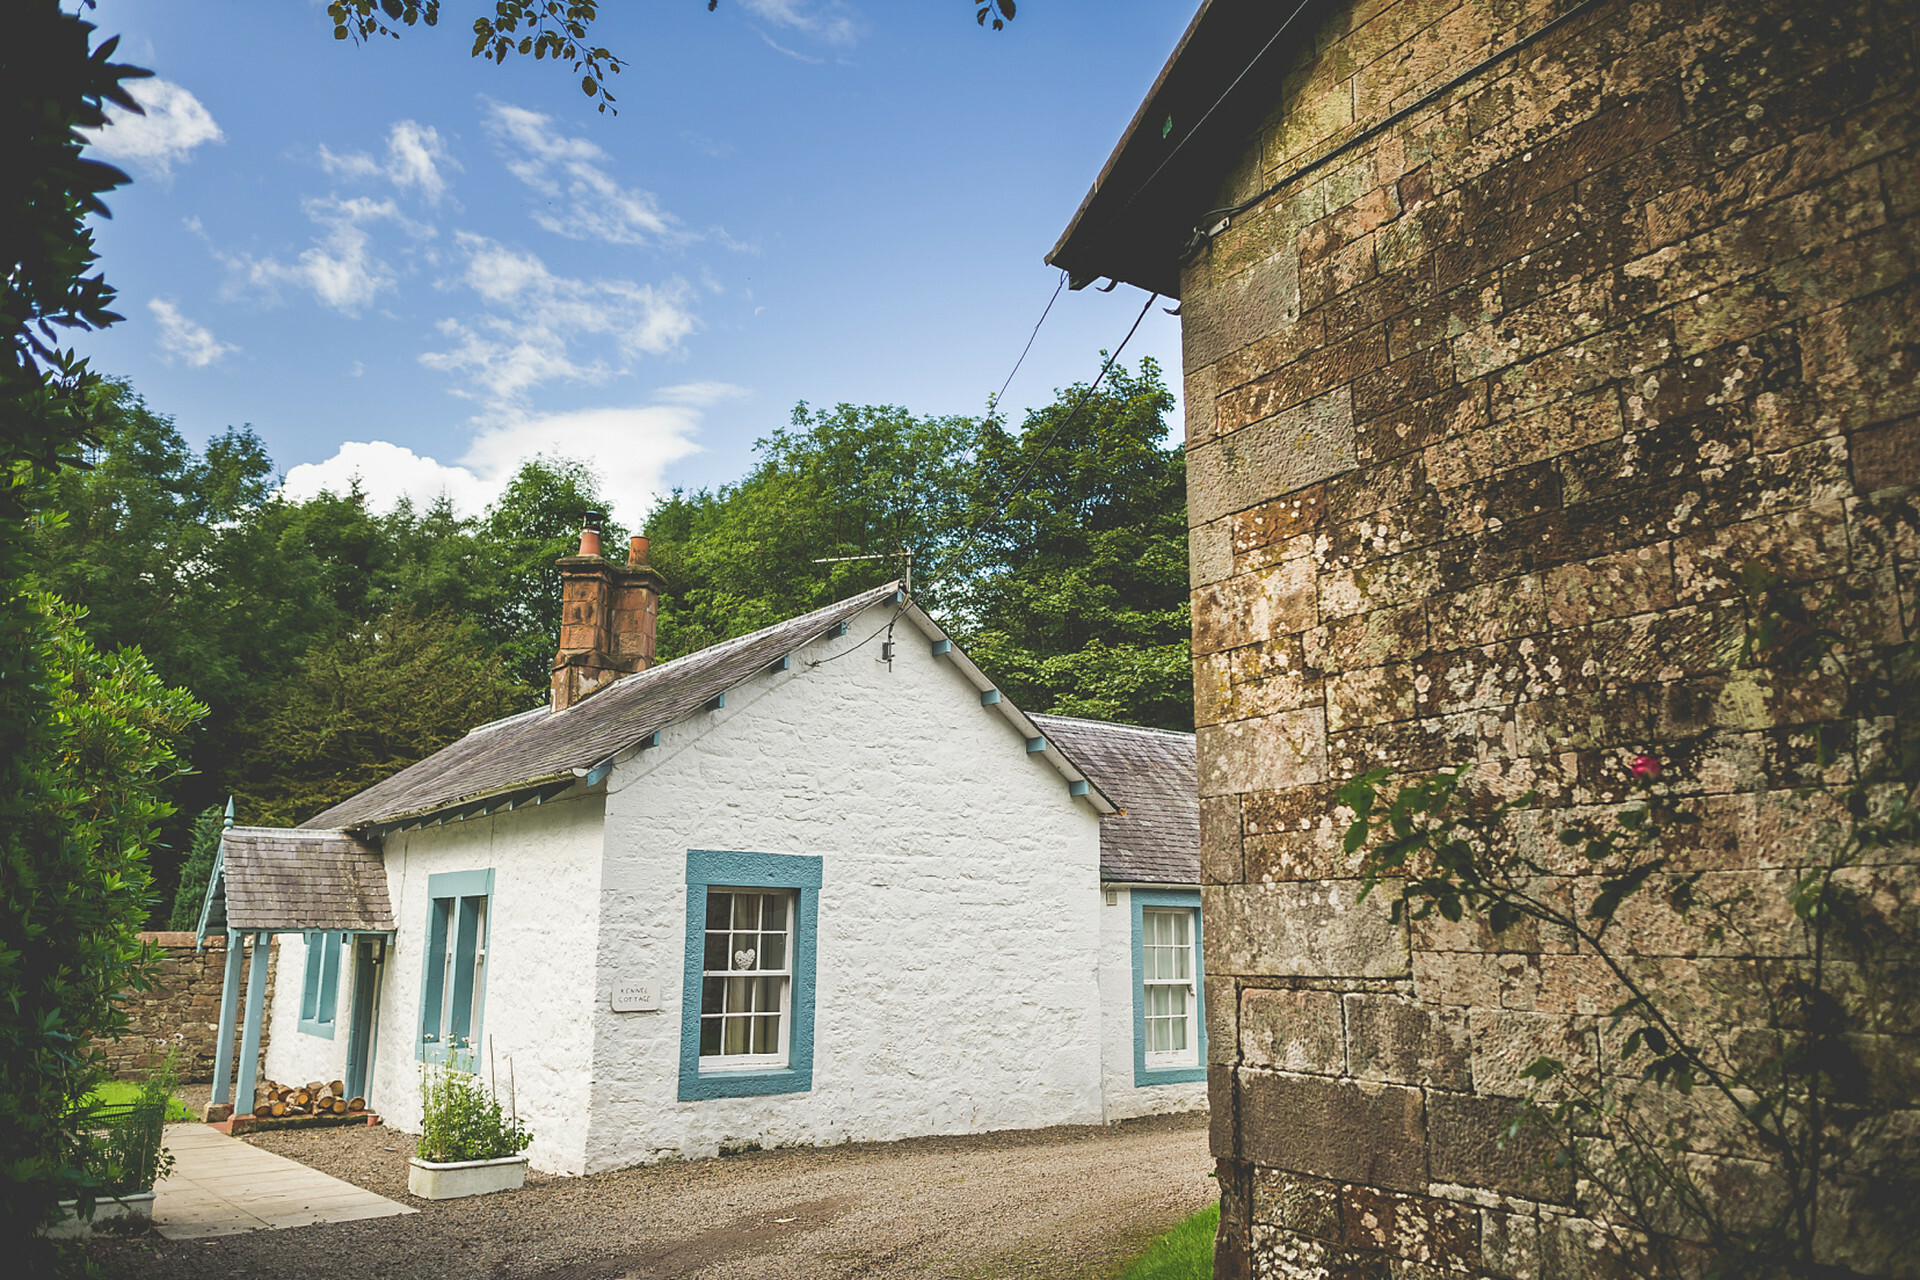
<point>280,879</point>
<point>543,746</point>
<point>1152,774</point>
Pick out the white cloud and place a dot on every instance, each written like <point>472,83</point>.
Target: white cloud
<point>417,158</point>
<point>584,202</point>
<point>387,473</point>
<point>832,22</point>
<point>174,124</point>
<point>181,337</point>
<point>341,269</point>
<point>538,320</point>
<point>630,447</point>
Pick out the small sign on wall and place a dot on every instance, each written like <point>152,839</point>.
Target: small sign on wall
<point>636,998</point>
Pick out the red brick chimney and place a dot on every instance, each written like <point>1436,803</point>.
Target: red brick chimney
<point>607,614</point>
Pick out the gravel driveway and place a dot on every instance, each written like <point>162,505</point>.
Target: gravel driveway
<point>1070,1203</point>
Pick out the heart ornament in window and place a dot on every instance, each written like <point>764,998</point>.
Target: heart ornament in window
<point>743,959</point>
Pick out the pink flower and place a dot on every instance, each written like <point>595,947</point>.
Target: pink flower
<point>1645,769</point>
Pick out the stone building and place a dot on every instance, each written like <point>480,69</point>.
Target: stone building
<point>1513,330</point>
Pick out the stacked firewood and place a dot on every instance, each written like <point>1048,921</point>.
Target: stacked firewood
<point>273,1100</point>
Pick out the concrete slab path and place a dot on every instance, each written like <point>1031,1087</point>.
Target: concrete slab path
<point>221,1186</point>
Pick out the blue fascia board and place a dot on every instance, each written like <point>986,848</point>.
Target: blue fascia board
<point>716,702</point>
<point>990,698</point>
<point>1036,745</point>
<point>599,772</point>
<point>1142,1077</point>
<point>749,871</point>
<point>942,647</point>
<point>1077,788</point>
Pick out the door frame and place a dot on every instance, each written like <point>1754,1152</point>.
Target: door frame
<point>363,1021</point>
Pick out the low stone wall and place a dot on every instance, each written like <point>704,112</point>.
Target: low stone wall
<point>184,1002</point>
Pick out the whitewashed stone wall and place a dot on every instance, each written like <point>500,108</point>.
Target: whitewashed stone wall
<point>293,1056</point>
<point>539,971</point>
<point>958,935</point>
<point>1124,1099</point>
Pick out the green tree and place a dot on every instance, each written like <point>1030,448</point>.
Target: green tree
<point>366,705</point>
<point>202,847</point>
<point>1076,598</point>
<point>96,771</point>
<point>851,481</point>
<point>68,894</point>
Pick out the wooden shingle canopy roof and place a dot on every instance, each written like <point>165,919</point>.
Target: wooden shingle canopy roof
<point>281,880</point>
<point>1161,180</point>
<point>1153,776</point>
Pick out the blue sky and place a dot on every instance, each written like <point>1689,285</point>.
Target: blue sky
<point>399,262</point>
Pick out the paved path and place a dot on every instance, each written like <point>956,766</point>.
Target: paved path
<point>221,1187</point>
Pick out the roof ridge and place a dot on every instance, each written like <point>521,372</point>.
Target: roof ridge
<point>1115,724</point>
<point>720,648</point>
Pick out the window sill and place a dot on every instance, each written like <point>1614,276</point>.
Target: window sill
<point>1145,1077</point>
<point>743,1082</point>
<point>324,1030</point>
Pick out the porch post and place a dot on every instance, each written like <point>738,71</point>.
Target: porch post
<point>229,1014</point>
<point>256,1005</point>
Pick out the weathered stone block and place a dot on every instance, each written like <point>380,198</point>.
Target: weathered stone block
<point>1220,840</point>
<point>1401,1042</point>
<point>1309,1206</point>
<point>1298,1031</point>
<point>1298,445</point>
<point>1299,930</point>
<point>1375,1134</point>
<point>1418,1229</point>
<point>1468,1147</point>
<point>1254,607</point>
<point>1264,754</point>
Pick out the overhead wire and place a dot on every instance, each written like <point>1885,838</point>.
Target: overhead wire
<point>1006,491</point>
<point>1058,286</point>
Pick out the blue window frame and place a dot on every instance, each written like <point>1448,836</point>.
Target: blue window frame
<point>761,1012</point>
<point>1169,996</point>
<point>453,989</point>
<point>320,991</point>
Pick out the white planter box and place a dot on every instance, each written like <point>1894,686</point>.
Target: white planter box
<point>432,1181</point>
<point>137,1204</point>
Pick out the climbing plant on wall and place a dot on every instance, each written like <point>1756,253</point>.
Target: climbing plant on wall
<point>1739,1108</point>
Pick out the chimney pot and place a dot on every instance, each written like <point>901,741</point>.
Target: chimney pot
<point>637,549</point>
<point>590,534</point>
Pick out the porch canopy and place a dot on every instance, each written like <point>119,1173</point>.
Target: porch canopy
<point>269,880</point>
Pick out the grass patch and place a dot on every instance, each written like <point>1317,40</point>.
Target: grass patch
<point>119,1093</point>
<point>1184,1253</point>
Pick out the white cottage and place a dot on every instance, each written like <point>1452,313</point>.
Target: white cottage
<point>817,884</point>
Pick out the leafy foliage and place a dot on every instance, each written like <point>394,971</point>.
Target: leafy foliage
<point>540,29</point>
<point>462,1120</point>
<point>83,793</point>
<point>1790,1060</point>
<point>71,887</point>
<point>190,894</point>
<point>1077,600</point>
<point>367,704</point>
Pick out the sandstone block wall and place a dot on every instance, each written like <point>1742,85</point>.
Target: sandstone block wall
<point>1483,416</point>
<point>185,1002</point>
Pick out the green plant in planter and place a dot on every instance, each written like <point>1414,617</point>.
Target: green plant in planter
<point>461,1119</point>
<point>123,1150</point>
